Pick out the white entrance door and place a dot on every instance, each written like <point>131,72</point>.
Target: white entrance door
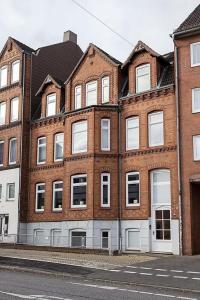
<point>4,228</point>
<point>161,240</point>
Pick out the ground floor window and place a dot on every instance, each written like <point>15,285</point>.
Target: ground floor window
<point>78,239</point>
<point>133,239</point>
<point>105,239</point>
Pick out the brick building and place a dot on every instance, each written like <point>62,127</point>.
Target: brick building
<point>114,152</point>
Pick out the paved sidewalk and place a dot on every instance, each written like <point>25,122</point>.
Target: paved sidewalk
<point>78,259</point>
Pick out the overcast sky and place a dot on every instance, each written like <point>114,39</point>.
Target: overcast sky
<point>42,22</point>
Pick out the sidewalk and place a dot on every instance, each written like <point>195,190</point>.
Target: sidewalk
<point>103,262</point>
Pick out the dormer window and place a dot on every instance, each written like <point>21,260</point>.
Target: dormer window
<point>195,54</point>
<point>143,78</point>
<point>51,105</point>
<point>15,71</point>
<point>91,93</point>
<point>3,76</point>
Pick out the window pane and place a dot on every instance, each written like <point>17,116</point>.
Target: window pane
<point>78,239</point>
<point>41,150</point>
<point>58,199</point>
<point>14,109</point>
<point>132,133</point>
<point>196,54</point>
<point>2,113</point>
<point>1,153</point>
<point>51,105</point>
<point>59,144</point>
<point>13,151</point>
<point>105,89</point>
<point>196,147</point>
<point>105,134</point>
<point>143,78</point>
<point>79,187</point>
<point>15,71</point>
<point>77,97</point>
<point>156,135</point>
<point>196,100</point>
<point>11,191</point>
<point>91,93</point>
<point>133,193</point>
<point>133,177</point>
<point>79,132</point>
<point>3,76</point>
<point>161,187</point>
<point>40,191</point>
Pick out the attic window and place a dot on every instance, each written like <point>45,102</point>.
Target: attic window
<point>51,105</point>
<point>143,78</point>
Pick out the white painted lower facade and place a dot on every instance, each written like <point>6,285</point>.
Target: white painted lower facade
<point>9,207</point>
<point>136,234</point>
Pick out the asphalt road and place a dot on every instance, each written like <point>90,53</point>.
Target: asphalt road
<point>165,278</point>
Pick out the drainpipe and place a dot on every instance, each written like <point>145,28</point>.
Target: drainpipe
<point>119,182</point>
<point>21,142</point>
<point>178,151</point>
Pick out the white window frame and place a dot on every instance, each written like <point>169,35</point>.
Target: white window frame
<point>73,139</point>
<point>138,132</point>
<point>94,89</point>
<point>16,62</point>
<point>49,101</point>
<point>40,146</point>
<point>3,68</point>
<point>11,140</point>
<point>103,87</point>
<point>102,185</point>
<point>102,231</point>
<point>191,54</point>
<point>193,101</point>
<point>195,137</point>
<point>151,144</point>
<point>2,142</point>
<point>36,195</point>
<point>103,128</point>
<point>8,186</point>
<point>78,184</point>
<point>12,119</point>
<point>127,241</point>
<point>55,143</point>
<point>137,76</point>
<point>131,182</point>
<point>4,104</point>
<point>57,190</point>
<point>78,93</point>
<point>152,186</point>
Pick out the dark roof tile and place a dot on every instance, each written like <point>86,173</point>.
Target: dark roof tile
<point>192,21</point>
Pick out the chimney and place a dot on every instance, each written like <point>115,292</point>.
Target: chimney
<point>70,36</point>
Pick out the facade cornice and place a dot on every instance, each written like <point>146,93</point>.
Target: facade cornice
<point>16,166</point>
<point>46,167</point>
<point>150,151</point>
<point>47,121</point>
<point>91,108</point>
<point>10,86</point>
<point>10,125</point>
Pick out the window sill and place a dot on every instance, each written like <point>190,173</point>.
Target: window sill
<point>134,207</point>
<point>39,211</point>
<point>59,210</point>
<point>78,208</point>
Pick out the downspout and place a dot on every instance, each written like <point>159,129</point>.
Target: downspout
<point>21,143</point>
<point>178,151</point>
<point>119,182</point>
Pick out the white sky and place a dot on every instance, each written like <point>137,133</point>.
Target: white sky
<point>42,22</point>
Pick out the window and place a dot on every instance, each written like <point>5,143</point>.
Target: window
<point>51,105</point>
<point>78,239</point>
<point>15,71</point>
<point>196,100</point>
<point>196,147</point>
<point>156,134</point>
<point>57,195</point>
<point>78,190</point>
<point>132,189</point>
<point>163,224</point>
<point>40,191</point>
<point>132,133</point>
<point>195,54</point>
<point>1,152</point>
<point>41,150</point>
<point>0,192</point>
<point>133,239</point>
<point>105,89</point>
<point>58,146</point>
<point>10,191</point>
<point>160,187</point>
<point>13,151</point>
<point>77,103</point>
<point>105,239</point>
<point>91,93</point>
<point>14,109</point>
<point>143,78</point>
<point>6,221</point>
<point>2,113</point>
<point>105,134</point>
<point>79,137</point>
<point>105,189</point>
<point>3,76</point>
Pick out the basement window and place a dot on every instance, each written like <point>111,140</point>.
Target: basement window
<point>10,191</point>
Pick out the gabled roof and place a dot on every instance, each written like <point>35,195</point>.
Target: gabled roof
<point>20,45</point>
<point>141,46</point>
<point>101,52</point>
<point>49,79</point>
<point>192,22</point>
